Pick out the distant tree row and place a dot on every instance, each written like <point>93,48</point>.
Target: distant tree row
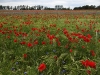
<point>40,7</point>
<point>87,7</point>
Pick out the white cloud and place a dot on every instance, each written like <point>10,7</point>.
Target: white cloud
<point>50,3</point>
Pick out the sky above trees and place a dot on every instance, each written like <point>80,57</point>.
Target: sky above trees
<point>50,3</point>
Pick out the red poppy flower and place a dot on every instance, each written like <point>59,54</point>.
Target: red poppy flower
<point>3,32</point>
<point>43,42</point>
<point>42,67</point>
<point>85,63</point>
<point>51,37</point>
<point>89,36</point>
<point>88,63</point>
<point>29,44</point>
<point>86,39</point>
<point>65,31</point>
<point>1,25</point>
<point>70,50</point>
<point>59,44</point>
<point>15,40</point>
<point>83,47</point>
<point>36,42</point>
<point>25,56</point>
<point>24,34</point>
<point>8,36</point>
<point>23,43</point>
<point>92,64</point>
<point>92,53</point>
<point>17,34</point>
<point>99,40</point>
<point>0,31</point>
<point>34,29</point>
<point>80,36</point>
<point>55,57</point>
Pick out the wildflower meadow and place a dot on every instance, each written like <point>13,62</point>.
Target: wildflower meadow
<point>50,43</point>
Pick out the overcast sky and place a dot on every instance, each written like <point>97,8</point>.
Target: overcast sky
<point>50,3</point>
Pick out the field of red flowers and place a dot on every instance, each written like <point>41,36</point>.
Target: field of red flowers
<point>50,44</point>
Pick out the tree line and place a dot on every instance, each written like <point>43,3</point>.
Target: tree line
<point>40,7</point>
<point>87,7</point>
<point>37,7</point>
